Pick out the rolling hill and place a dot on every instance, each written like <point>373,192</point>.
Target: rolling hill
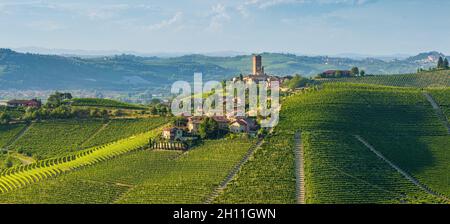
<point>25,71</point>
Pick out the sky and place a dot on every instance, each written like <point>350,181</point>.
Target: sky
<point>309,27</point>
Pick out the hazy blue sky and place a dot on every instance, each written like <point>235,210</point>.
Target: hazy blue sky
<point>373,27</point>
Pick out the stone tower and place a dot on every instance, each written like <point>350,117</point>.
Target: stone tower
<point>257,65</point>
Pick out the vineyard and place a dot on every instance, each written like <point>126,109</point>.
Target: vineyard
<point>96,102</point>
<point>20,176</point>
<point>96,161</point>
<point>442,97</point>
<point>141,177</point>
<point>268,177</point>
<point>338,168</point>
<point>349,173</point>
<point>420,80</point>
<point>122,128</point>
<point>8,132</point>
<point>55,138</point>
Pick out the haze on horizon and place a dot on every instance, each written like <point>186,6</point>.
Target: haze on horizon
<point>311,27</point>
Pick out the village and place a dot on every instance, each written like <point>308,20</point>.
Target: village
<point>187,128</point>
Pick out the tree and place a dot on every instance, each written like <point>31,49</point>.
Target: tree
<point>446,63</point>
<point>4,118</point>
<point>56,99</point>
<point>296,82</point>
<point>362,73</point>
<point>8,162</point>
<point>153,111</point>
<point>208,128</point>
<point>355,71</point>
<point>440,64</point>
<point>180,122</point>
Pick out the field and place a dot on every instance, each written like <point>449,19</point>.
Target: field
<point>342,170</point>
<point>442,97</point>
<point>338,168</point>
<point>420,80</point>
<point>141,177</point>
<point>8,132</point>
<point>54,138</point>
<point>121,128</point>
<point>95,161</point>
<point>268,177</point>
<point>96,102</point>
<point>20,176</point>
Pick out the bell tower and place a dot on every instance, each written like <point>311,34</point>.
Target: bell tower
<point>257,65</point>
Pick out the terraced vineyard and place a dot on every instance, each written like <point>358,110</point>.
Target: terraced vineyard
<point>338,168</point>
<point>420,80</point>
<point>141,177</point>
<point>122,128</point>
<point>20,176</point>
<point>55,138</point>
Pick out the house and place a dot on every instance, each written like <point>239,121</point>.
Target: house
<point>24,103</point>
<point>193,124</point>
<point>172,134</point>
<point>222,122</point>
<point>242,125</point>
<point>333,73</point>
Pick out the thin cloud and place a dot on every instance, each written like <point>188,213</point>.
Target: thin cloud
<point>166,23</point>
<point>218,17</point>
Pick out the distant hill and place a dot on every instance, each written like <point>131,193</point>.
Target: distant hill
<point>25,71</point>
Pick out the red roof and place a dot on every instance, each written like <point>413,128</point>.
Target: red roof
<point>220,119</point>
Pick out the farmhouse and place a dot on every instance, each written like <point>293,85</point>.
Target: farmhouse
<point>24,103</point>
<point>222,122</point>
<point>242,125</point>
<point>333,73</point>
<point>172,134</point>
<point>193,124</point>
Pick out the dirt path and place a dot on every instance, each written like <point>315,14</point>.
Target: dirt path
<point>233,172</point>
<point>402,172</point>
<point>299,169</point>
<point>25,160</point>
<point>18,136</point>
<point>438,110</point>
<point>96,133</point>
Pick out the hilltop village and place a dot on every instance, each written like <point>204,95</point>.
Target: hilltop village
<point>187,128</point>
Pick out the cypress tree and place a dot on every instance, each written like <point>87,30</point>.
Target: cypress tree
<point>446,63</point>
<point>440,63</point>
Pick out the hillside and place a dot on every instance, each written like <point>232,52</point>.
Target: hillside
<point>361,143</point>
<point>419,80</point>
<point>399,122</point>
<point>127,72</point>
